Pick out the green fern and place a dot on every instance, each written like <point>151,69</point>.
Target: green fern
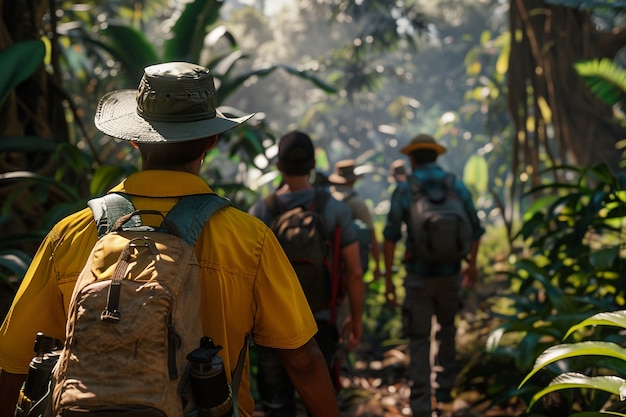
<point>605,79</point>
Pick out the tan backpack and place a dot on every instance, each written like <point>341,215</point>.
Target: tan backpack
<point>134,314</point>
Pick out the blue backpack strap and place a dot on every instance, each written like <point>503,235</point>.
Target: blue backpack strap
<point>192,212</point>
<point>110,207</point>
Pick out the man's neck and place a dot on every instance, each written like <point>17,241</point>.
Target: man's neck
<point>295,183</point>
<point>192,167</point>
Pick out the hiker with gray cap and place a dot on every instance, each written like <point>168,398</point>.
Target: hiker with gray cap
<point>292,208</point>
<point>437,213</point>
<point>248,286</point>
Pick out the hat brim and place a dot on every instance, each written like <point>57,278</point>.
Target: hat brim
<point>396,178</point>
<point>339,180</point>
<point>423,145</point>
<point>117,116</point>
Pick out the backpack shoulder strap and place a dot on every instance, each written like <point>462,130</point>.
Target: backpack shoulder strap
<point>237,373</point>
<point>192,212</point>
<point>271,202</point>
<point>350,196</point>
<point>417,185</point>
<point>426,187</point>
<point>320,198</point>
<point>449,180</point>
<point>110,207</point>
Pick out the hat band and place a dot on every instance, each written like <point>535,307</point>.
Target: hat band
<point>193,117</point>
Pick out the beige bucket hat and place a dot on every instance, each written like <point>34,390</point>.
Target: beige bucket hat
<point>345,172</point>
<point>397,171</point>
<point>175,102</point>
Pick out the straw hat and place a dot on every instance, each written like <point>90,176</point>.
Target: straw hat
<point>423,141</point>
<point>344,172</point>
<point>175,102</point>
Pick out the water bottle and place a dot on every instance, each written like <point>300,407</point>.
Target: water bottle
<point>209,387</point>
<point>35,392</point>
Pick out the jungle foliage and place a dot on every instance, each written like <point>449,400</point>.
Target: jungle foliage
<point>521,115</point>
<point>573,270</point>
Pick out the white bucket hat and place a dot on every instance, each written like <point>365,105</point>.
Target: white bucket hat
<point>175,102</point>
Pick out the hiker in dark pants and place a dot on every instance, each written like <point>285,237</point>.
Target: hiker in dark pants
<point>342,182</point>
<point>432,286</point>
<point>296,160</point>
<point>248,286</point>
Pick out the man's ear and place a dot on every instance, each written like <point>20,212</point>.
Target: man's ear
<point>134,145</point>
<point>211,143</point>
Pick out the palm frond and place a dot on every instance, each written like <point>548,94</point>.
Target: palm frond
<point>605,79</point>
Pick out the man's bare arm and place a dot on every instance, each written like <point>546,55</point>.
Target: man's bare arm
<point>308,372</point>
<point>10,385</point>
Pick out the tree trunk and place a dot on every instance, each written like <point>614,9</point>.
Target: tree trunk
<point>557,119</point>
<point>34,108</point>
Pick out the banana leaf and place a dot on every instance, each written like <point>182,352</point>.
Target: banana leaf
<point>18,63</point>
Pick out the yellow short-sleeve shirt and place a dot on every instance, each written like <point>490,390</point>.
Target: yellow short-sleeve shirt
<point>248,284</point>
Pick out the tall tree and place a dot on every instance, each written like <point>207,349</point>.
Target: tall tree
<point>34,107</point>
<point>557,119</point>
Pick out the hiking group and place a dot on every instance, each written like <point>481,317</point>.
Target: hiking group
<point>149,301</point>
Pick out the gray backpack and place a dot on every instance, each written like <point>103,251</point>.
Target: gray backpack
<point>441,227</point>
<point>301,231</point>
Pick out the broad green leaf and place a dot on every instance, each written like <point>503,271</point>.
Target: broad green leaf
<point>15,261</point>
<point>476,173</point>
<point>612,318</point>
<point>564,351</point>
<point>502,64</point>
<point>18,63</point>
<point>604,257</point>
<point>597,414</point>
<point>493,341</point>
<point>70,192</point>
<point>603,173</point>
<point>611,384</point>
<point>190,29</point>
<point>129,46</point>
<point>605,79</point>
<point>27,144</point>
<point>107,176</point>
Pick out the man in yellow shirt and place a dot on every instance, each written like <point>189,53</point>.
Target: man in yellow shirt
<point>248,284</point>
